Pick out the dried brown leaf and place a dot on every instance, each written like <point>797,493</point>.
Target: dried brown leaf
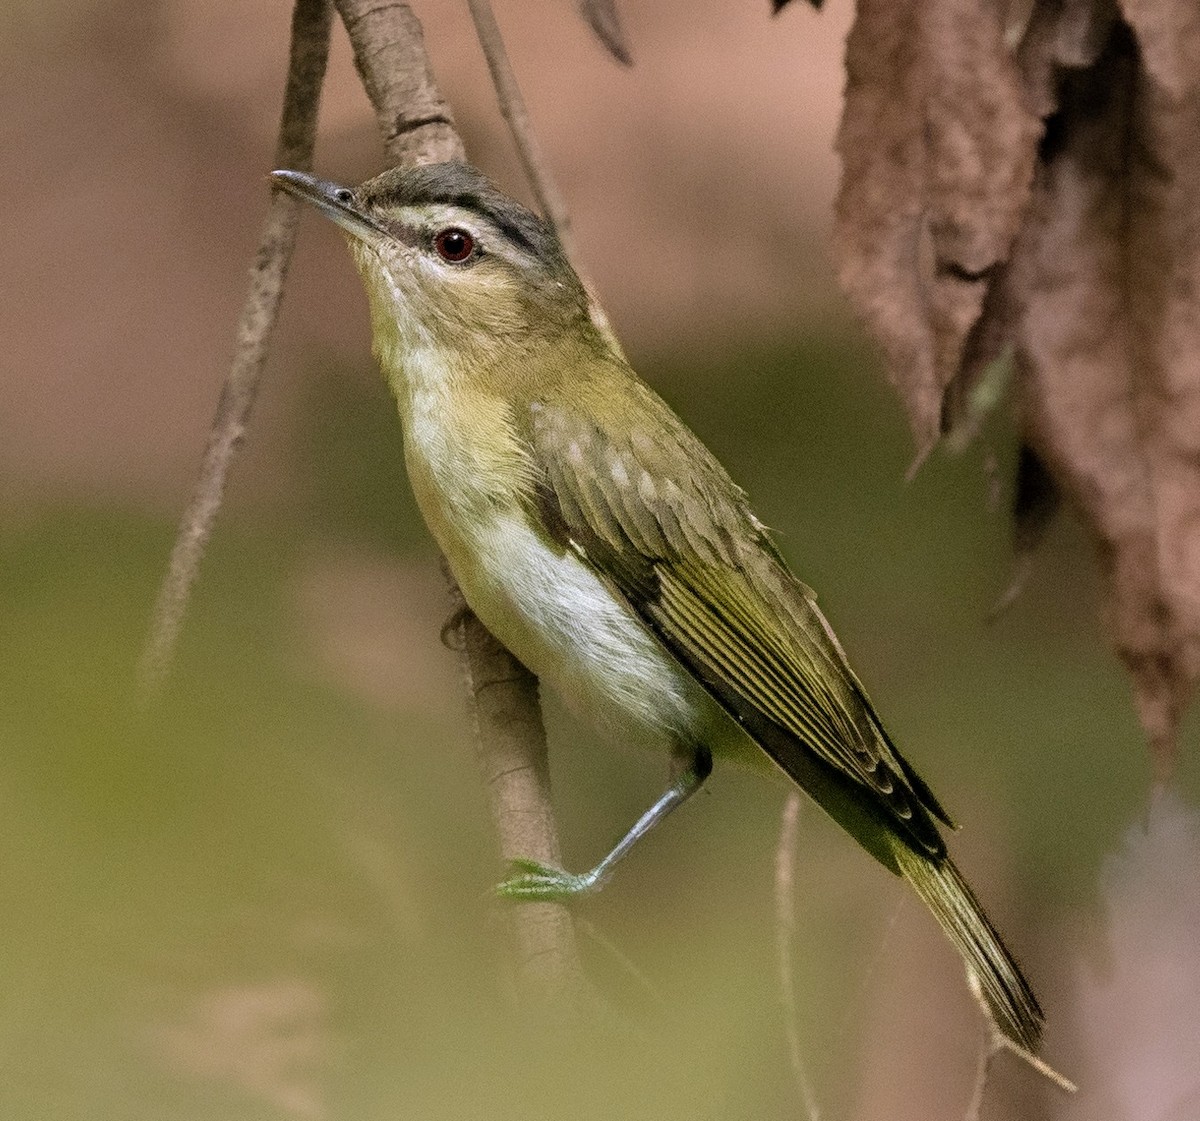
<point>990,336</point>
<point>1168,32</point>
<point>1094,275</point>
<point>1036,500</point>
<point>1107,279</point>
<point>1062,34</point>
<point>605,21</point>
<point>938,144</point>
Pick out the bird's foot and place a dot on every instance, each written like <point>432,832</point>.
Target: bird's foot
<point>532,881</point>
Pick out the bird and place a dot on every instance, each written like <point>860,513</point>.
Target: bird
<point>597,537</point>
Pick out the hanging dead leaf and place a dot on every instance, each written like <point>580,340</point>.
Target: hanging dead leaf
<point>1035,502</point>
<point>1059,34</point>
<point>605,21</point>
<point>1062,34</point>
<point>1106,276</point>
<point>1093,273</point>
<point>938,145</point>
<point>1168,32</point>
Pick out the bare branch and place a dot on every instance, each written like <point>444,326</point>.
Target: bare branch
<point>514,762</point>
<point>537,171</point>
<point>512,108</point>
<point>992,1043</point>
<point>389,52</point>
<point>998,1041</point>
<point>990,1046</point>
<point>297,138</point>
<point>417,127</point>
<point>785,926</point>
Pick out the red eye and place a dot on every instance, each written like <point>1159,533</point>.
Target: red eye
<point>454,245</point>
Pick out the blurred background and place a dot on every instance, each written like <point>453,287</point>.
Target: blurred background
<point>271,899</point>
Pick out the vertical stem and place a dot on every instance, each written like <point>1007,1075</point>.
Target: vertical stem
<point>512,108</point>
<point>515,764</point>
<point>537,169</point>
<point>297,139</point>
<point>989,1048</point>
<point>414,120</point>
<point>785,926</point>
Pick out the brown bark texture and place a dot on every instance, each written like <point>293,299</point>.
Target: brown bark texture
<point>1031,184</point>
<point>297,139</point>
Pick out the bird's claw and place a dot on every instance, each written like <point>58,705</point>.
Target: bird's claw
<point>532,881</point>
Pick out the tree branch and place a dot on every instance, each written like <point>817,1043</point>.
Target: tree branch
<point>537,170</point>
<point>512,108</point>
<point>417,127</point>
<point>414,120</point>
<point>785,925</point>
<point>989,1047</point>
<point>294,148</point>
<point>511,742</point>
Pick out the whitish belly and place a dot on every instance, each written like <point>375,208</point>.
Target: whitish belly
<point>546,605</point>
<point>557,616</point>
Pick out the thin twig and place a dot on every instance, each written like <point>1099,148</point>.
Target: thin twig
<point>1060,1081</point>
<point>990,1045</point>
<point>1001,1042</point>
<point>512,108</point>
<point>785,928</point>
<point>513,758</point>
<point>533,160</point>
<point>417,127</point>
<point>624,962</point>
<point>297,138</point>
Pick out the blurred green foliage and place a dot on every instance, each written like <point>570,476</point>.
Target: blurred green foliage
<point>269,897</point>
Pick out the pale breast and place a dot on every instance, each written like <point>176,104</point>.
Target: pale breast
<point>561,620</point>
<point>544,603</point>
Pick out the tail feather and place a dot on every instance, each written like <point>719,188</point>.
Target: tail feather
<point>1013,1007</point>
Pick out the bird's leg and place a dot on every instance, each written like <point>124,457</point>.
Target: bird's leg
<point>532,880</point>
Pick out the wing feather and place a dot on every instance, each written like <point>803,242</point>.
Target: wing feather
<point>692,560</point>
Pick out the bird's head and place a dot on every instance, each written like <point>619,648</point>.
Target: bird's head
<point>451,264</point>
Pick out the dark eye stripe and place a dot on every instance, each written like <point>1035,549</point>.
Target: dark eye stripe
<point>462,186</point>
<point>509,228</point>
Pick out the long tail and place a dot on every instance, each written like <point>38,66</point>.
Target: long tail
<point>1013,1006</point>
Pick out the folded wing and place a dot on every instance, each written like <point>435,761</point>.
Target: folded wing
<point>687,554</point>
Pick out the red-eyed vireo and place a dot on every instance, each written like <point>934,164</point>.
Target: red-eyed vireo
<point>602,542</point>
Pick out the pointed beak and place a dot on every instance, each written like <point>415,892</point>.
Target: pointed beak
<point>331,199</point>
